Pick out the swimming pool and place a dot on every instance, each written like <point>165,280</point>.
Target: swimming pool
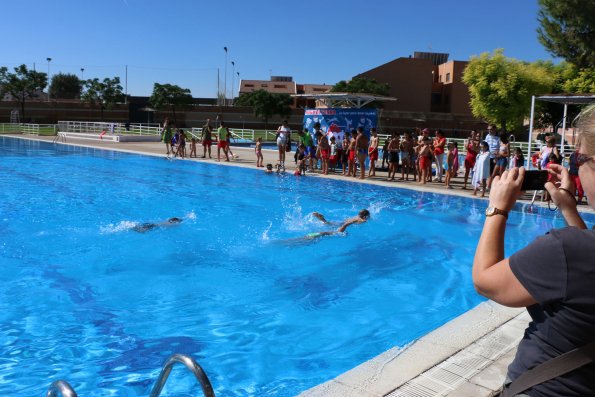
<point>84,298</point>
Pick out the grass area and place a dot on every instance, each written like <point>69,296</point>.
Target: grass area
<point>47,131</point>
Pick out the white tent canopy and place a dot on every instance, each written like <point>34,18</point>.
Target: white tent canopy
<point>573,99</point>
<point>355,100</point>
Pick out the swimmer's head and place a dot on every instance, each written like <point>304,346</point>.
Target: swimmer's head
<point>365,214</point>
<point>174,220</point>
<point>269,167</point>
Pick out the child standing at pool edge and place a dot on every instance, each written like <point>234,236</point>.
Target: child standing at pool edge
<point>258,151</point>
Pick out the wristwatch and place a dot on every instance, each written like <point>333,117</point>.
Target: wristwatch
<point>491,211</point>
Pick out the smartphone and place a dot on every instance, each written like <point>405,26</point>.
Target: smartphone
<point>534,180</point>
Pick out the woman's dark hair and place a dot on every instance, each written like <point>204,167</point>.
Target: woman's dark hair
<point>504,137</point>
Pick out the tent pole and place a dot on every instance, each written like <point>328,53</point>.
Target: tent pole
<point>529,162</point>
<point>563,130</point>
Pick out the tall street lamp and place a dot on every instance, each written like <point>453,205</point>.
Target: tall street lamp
<point>82,71</point>
<point>49,60</point>
<point>233,75</point>
<point>238,73</point>
<point>225,80</point>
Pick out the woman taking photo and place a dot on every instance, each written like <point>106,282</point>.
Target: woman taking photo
<point>553,277</point>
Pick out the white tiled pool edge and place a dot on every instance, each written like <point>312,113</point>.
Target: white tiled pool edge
<point>438,363</point>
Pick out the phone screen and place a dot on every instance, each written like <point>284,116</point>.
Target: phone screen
<point>534,180</point>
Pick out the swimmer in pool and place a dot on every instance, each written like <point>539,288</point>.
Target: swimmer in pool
<point>361,217</point>
<point>145,227</point>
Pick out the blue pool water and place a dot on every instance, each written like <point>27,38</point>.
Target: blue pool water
<point>84,298</point>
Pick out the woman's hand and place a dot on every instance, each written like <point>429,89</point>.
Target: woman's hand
<point>506,189</point>
<point>562,190</point>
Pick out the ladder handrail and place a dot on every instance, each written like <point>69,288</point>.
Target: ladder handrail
<point>192,365</point>
<point>62,387</point>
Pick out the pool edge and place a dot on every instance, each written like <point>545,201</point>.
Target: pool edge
<point>392,369</point>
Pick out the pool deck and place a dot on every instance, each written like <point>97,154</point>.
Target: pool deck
<point>467,356</point>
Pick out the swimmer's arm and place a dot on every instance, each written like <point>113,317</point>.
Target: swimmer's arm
<point>347,224</point>
<point>320,217</point>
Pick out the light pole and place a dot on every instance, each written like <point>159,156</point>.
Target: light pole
<point>49,60</point>
<point>225,80</point>
<point>238,73</point>
<point>82,80</point>
<point>233,75</point>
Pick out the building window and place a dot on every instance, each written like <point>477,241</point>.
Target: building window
<point>280,86</point>
<point>249,85</point>
<point>264,85</point>
<point>448,77</point>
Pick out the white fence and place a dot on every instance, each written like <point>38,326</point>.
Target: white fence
<point>82,127</point>
<point>34,129</point>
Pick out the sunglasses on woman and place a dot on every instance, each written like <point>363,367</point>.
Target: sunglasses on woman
<point>582,158</point>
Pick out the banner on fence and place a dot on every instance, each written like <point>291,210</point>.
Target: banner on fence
<point>337,121</point>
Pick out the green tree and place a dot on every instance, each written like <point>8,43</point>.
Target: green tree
<point>363,85</point>
<point>168,95</point>
<point>501,88</point>
<point>23,84</point>
<point>568,30</point>
<point>65,86</point>
<point>568,80</point>
<point>265,105</point>
<point>106,93</point>
<point>575,80</point>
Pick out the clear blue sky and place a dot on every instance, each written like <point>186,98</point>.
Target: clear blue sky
<point>181,41</point>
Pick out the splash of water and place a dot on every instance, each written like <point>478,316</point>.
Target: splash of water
<point>191,215</point>
<point>265,234</point>
<point>119,227</point>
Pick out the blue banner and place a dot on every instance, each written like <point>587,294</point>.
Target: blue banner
<point>337,121</point>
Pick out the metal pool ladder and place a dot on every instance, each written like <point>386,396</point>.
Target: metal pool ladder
<point>61,388</point>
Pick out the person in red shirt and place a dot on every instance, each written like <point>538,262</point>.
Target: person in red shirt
<point>439,144</point>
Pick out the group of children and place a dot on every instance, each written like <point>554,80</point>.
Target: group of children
<point>421,157</point>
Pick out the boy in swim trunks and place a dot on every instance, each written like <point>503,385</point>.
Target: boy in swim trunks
<point>393,156</point>
<point>325,152</point>
<point>406,146</point>
<point>222,134</point>
<point>351,169</point>
<point>361,144</point>
<point>373,152</point>
<point>206,138</point>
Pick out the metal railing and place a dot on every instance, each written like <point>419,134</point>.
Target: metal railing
<point>244,134</point>
<point>88,127</point>
<point>60,388</point>
<point>192,365</point>
<point>10,127</point>
<point>35,129</point>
